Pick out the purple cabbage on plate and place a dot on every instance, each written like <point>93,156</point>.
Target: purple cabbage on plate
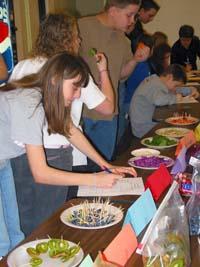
<point>151,162</point>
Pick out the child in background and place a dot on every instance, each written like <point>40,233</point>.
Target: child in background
<point>159,38</point>
<point>147,12</point>
<point>154,91</point>
<point>160,58</point>
<point>186,49</point>
<point>105,31</point>
<point>141,71</point>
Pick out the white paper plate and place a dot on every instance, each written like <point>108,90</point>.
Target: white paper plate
<point>19,257</point>
<point>111,209</point>
<point>174,132</point>
<point>145,152</point>
<point>172,120</point>
<point>132,163</point>
<point>158,147</point>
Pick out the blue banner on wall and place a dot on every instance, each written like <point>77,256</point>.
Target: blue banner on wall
<point>5,37</point>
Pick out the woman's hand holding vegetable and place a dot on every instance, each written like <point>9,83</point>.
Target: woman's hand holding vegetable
<point>102,63</point>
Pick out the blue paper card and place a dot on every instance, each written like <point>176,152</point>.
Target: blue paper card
<point>141,212</point>
<point>87,262</point>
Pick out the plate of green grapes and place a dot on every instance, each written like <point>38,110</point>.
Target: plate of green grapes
<point>52,252</point>
<point>159,142</point>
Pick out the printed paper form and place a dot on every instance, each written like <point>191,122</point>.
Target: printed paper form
<point>125,186</point>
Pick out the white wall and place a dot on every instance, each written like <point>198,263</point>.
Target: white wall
<point>173,14</point>
<point>88,7</point>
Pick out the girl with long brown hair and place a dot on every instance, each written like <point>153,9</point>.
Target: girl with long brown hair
<point>27,105</point>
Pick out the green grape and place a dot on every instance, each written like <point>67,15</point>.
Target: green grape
<point>52,244</point>
<point>42,247</point>
<point>34,262</point>
<point>32,252</point>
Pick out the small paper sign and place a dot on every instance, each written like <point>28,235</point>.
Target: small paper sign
<point>158,181</point>
<point>87,262</point>
<point>122,246</point>
<point>141,212</point>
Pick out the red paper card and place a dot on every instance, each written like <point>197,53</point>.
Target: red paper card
<point>122,246</point>
<point>158,181</point>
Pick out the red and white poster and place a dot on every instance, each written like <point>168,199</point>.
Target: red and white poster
<point>5,37</point>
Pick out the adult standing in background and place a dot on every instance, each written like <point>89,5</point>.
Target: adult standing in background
<point>105,32</point>
<point>186,49</point>
<point>146,14</point>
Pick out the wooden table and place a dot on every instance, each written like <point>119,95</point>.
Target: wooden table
<point>94,240</point>
<point>193,76</point>
<point>162,113</point>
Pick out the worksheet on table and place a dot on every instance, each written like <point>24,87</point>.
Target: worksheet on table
<point>125,186</point>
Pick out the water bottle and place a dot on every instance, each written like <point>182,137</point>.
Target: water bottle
<point>193,205</point>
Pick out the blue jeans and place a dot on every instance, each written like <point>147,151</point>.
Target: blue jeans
<point>102,135</point>
<point>123,112</point>
<point>10,233</point>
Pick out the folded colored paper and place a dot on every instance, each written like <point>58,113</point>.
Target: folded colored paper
<point>122,246</point>
<point>158,181</point>
<point>141,212</point>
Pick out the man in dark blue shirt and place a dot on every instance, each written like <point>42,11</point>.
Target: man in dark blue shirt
<point>186,49</point>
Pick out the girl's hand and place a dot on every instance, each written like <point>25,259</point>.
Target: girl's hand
<point>121,170</point>
<point>103,179</point>
<point>142,53</point>
<point>101,62</point>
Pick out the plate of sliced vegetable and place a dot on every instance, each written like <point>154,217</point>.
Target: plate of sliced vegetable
<point>92,215</point>
<point>145,152</point>
<point>46,253</point>
<point>182,120</point>
<point>174,132</point>
<point>150,162</point>
<point>159,142</point>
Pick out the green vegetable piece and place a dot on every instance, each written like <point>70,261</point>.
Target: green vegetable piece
<point>34,262</point>
<point>74,250</point>
<point>32,252</point>
<point>177,263</point>
<point>42,247</point>
<point>92,52</point>
<point>52,243</point>
<point>53,253</point>
<point>62,245</point>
